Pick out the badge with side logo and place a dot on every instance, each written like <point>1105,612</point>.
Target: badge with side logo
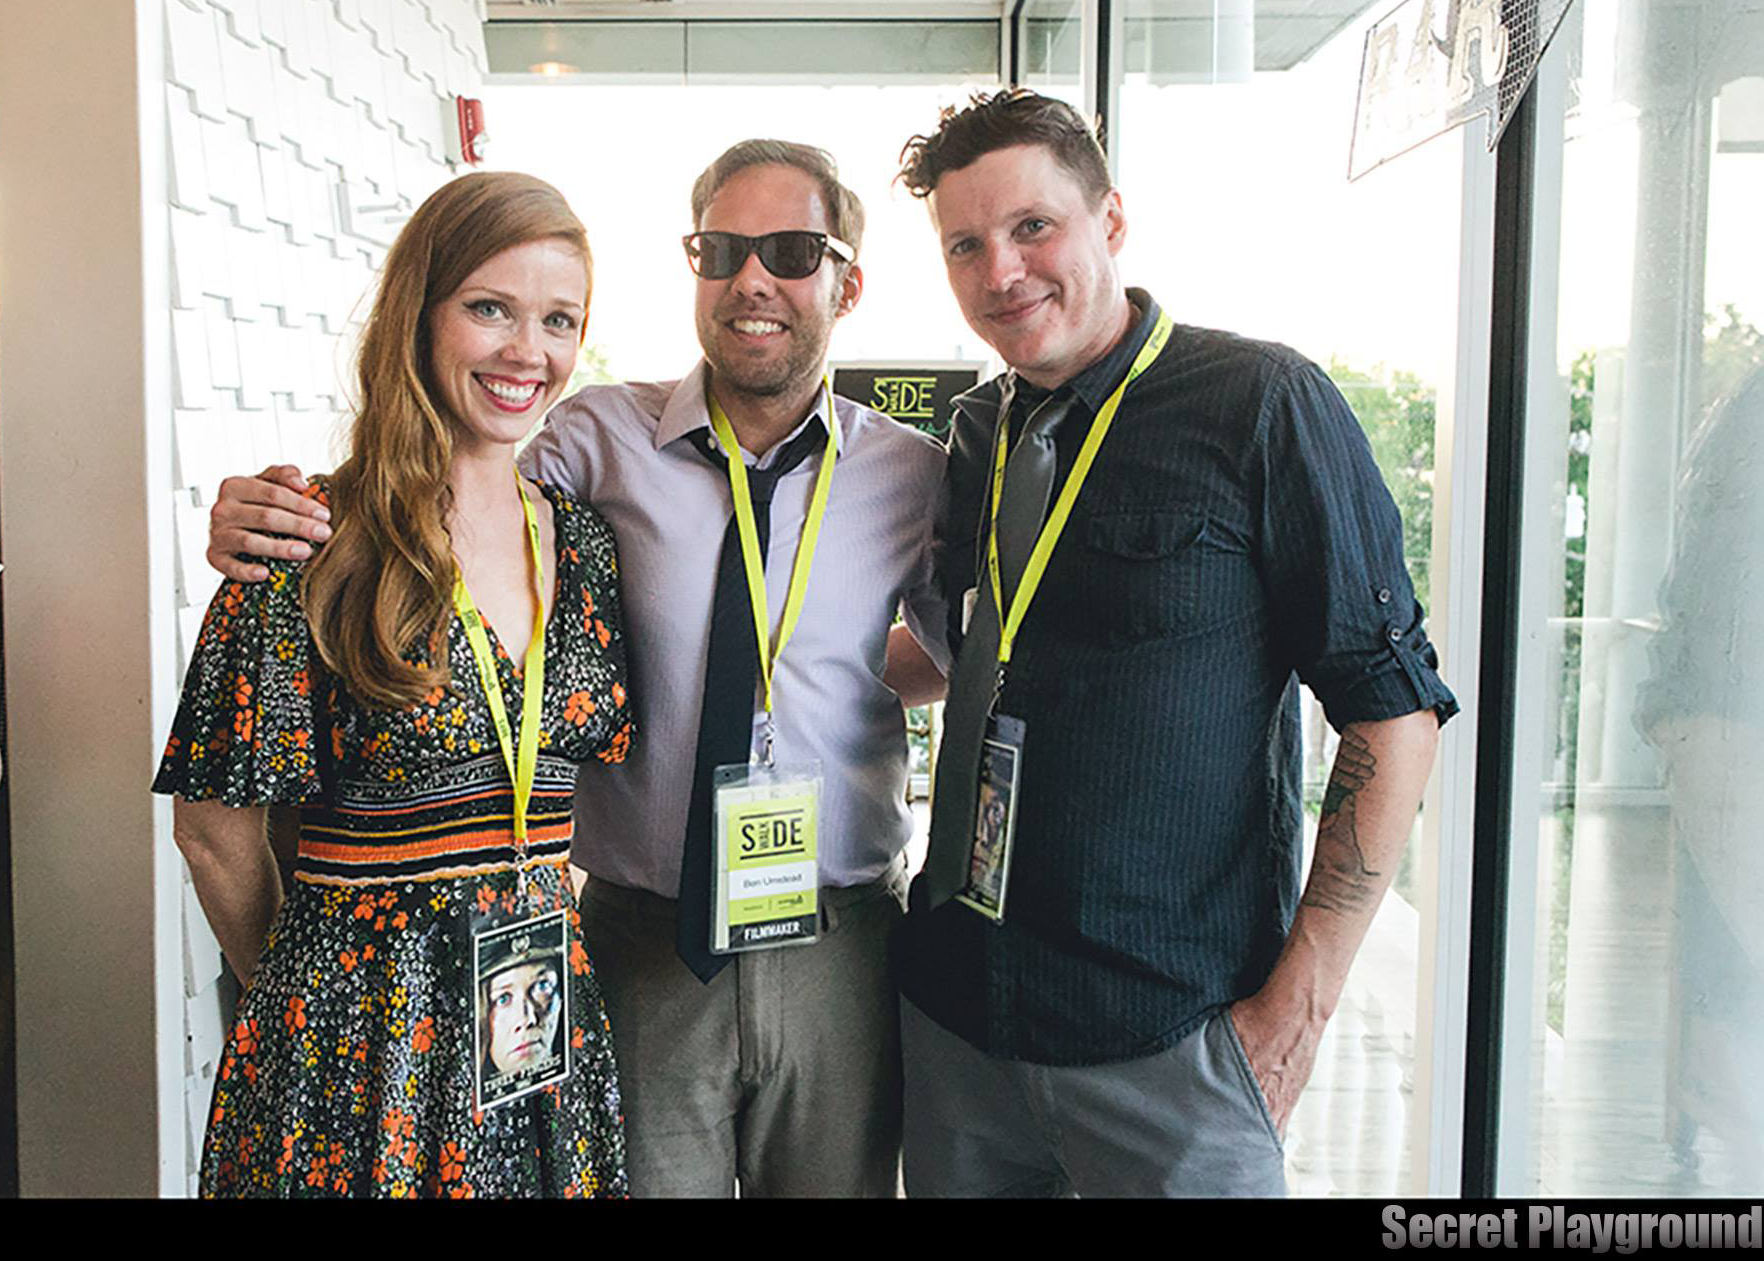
<point>995,818</point>
<point>767,881</point>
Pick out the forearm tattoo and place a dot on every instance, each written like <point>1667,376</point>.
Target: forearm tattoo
<point>1340,880</point>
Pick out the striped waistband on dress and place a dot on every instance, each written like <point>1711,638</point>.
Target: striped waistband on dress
<point>461,823</point>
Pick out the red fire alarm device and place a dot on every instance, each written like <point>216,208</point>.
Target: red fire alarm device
<point>471,137</point>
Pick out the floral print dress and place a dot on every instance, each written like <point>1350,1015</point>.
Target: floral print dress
<point>349,1068</point>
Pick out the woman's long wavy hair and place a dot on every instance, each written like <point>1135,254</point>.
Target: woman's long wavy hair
<point>378,595</point>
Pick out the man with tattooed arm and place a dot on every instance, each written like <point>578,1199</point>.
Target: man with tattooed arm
<point>1155,533</point>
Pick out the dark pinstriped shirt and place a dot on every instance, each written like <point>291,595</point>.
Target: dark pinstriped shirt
<point>1234,537</point>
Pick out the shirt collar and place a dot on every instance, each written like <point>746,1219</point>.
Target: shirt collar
<point>1098,381</point>
<point>687,410</point>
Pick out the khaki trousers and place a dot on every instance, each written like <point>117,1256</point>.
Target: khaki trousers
<point>782,1076</point>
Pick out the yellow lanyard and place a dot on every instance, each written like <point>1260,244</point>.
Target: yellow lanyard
<point>521,766</point>
<point>1056,520</point>
<point>750,553</point>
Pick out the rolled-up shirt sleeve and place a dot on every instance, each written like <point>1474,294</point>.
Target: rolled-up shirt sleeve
<point>1343,607</point>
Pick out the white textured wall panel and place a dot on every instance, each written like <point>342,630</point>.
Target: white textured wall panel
<point>193,55</point>
<point>190,359</point>
<point>242,297</point>
<point>223,348</point>
<point>376,17</point>
<point>298,49</point>
<point>242,17</point>
<point>200,461</point>
<point>254,383</point>
<point>190,524</point>
<point>189,259</point>
<point>188,171</point>
<point>272,23</point>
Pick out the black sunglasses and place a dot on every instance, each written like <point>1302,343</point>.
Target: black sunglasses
<point>787,255</point>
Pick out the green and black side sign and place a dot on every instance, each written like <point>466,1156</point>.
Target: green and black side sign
<point>919,395</point>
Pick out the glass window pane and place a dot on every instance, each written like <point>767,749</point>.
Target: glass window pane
<point>1362,278</point>
<point>1050,46</point>
<point>1635,1056</point>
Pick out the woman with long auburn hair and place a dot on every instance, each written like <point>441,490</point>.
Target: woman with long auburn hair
<point>420,1017</point>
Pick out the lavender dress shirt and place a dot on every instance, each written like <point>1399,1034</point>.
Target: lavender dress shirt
<point>623,448</point>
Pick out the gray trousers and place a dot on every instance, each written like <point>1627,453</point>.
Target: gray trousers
<point>1190,1121</point>
<point>783,1073</point>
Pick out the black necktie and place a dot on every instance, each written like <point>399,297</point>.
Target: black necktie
<point>725,720</point>
<point>1022,506</point>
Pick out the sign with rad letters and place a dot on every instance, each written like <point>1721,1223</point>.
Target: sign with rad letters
<point>1431,65</point>
<point>920,394</point>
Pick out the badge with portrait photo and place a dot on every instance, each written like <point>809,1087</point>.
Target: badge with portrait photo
<point>995,818</point>
<point>520,992</point>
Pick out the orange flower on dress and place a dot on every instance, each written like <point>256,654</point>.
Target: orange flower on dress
<point>348,960</point>
<point>287,1156</point>
<point>578,1039</point>
<point>601,633</point>
<point>578,707</point>
<point>243,721</point>
<point>486,899</point>
<point>452,1161</point>
<point>578,959</point>
<point>617,747</point>
<point>422,1035</point>
<point>295,1016</point>
<point>461,1192</point>
<point>618,694</point>
<point>245,1036</point>
<point>301,682</point>
<point>397,1122</point>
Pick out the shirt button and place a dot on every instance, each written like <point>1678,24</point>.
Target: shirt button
<point>1384,595</point>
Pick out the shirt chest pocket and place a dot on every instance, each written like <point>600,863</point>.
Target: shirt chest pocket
<point>1145,573</point>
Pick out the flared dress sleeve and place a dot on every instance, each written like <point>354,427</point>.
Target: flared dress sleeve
<point>246,731</point>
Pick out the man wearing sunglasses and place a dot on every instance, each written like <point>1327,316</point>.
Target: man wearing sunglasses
<point>778,1069</point>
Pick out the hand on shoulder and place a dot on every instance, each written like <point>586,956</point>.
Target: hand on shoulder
<point>272,515</point>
